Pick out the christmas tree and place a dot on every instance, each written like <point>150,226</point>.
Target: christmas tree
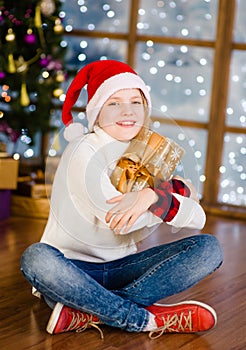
<point>31,66</point>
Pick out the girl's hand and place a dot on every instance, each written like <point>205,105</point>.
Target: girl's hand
<point>130,206</point>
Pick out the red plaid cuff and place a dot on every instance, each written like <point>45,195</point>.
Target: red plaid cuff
<point>167,205</point>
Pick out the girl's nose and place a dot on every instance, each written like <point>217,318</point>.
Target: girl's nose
<point>127,108</point>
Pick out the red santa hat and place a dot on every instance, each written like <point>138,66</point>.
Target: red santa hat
<point>103,79</point>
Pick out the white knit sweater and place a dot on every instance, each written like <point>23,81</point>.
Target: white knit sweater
<point>76,223</point>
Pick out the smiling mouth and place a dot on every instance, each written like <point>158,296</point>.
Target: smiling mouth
<point>126,123</point>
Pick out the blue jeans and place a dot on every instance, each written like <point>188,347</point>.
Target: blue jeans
<point>118,291</point>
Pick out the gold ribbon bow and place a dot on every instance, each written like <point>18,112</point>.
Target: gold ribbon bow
<point>148,159</point>
<point>134,176</point>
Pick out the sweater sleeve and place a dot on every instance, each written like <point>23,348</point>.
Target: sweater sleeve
<point>175,207</point>
<point>190,214</point>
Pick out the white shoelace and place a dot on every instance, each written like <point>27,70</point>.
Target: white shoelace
<point>173,323</point>
<point>88,322</point>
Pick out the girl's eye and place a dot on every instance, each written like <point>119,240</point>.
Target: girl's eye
<point>113,103</point>
<point>118,103</point>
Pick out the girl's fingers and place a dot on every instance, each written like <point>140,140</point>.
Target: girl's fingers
<point>118,222</point>
<point>131,221</point>
<point>108,216</point>
<point>115,199</point>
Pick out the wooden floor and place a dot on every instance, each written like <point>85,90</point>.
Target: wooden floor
<point>23,317</point>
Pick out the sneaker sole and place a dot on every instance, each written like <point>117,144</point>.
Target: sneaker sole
<point>194,302</point>
<point>54,318</point>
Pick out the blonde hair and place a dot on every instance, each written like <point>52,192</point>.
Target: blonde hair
<point>146,110</point>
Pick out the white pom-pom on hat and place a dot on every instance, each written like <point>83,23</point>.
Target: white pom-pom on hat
<point>73,130</point>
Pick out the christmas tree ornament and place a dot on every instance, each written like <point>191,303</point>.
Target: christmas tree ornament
<point>58,92</point>
<point>38,25</point>
<point>60,76</point>
<point>47,7</point>
<point>5,87</point>
<point>2,75</point>
<point>58,27</point>
<point>30,38</point>
<point>11,64</point>
<point>43,61</point>
<point>7,99</point>
<point>21,64</point>
<point>24,98</point>
<point>10,36</point>
<point>37,17</point>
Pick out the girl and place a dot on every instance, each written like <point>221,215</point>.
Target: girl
<point>87,266</point>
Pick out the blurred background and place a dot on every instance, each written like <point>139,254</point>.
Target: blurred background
<point>190,53</point>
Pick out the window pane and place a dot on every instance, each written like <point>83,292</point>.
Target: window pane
<point>83,50</point>
<point>194,141</point>
<point>180,79</point>
<point>233,170</point>
<point>236,108</point>
<point>240,24</point>
<point>185,19</point>
<point>111,16</point>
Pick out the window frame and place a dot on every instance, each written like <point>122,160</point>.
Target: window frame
<point>223,46</point>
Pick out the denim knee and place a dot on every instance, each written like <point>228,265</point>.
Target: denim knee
<point>33,260</point>
<point>212,250</point>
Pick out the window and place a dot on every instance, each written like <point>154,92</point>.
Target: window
<point>192,55</point>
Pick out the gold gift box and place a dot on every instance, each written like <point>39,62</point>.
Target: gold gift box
<point>37,208</point>
<point>8,173</point>
<point>149,159</point>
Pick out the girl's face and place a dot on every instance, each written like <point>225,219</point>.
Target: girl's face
<point>123,114</point>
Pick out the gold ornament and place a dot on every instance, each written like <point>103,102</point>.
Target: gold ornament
<point>24,98</point>
<point>58,27</point>
<point>37,18</point>
<point>11,64</point>
<point>10,36</point>
<point>47,7</point>
<point>1,114</point>
<point>22,65</point>
<point>60,76</point>
<point>38,25</point>
<point>57,92</point>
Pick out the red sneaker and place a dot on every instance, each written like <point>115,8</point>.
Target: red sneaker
<point>65,319</point>
<point>186,317</point>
